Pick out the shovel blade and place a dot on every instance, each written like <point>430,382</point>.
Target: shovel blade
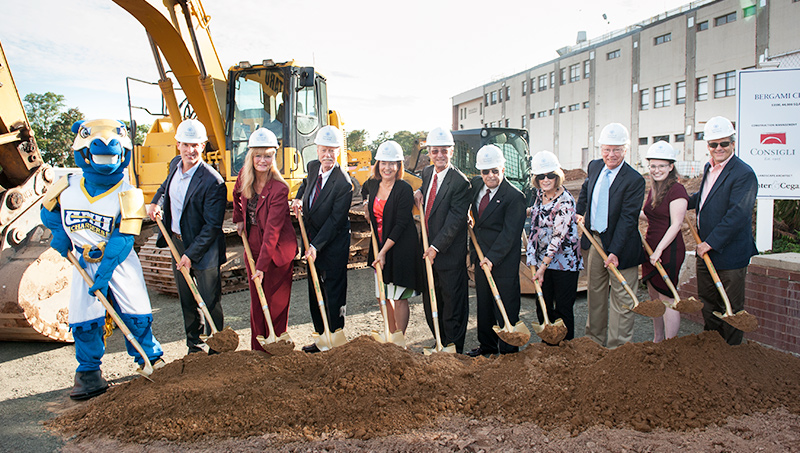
<point>338,338</point>
<point>650,308</point>
<point>399,339</point>
<point>741,320</point>
<point>321,341</point>
<point>450,349</point>
<point>377,336</point>
<point>689,305</point>
<point>518,336</point>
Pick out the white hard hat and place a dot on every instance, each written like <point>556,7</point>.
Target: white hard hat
<point>544,162</point>
<point>329,136</point>
<point>718,127</point>
<point>489,156</point>
<point>440,137</point>
<point>389,151</point>
<point>191,131</point>
<point>662,150</point>
<point>262,138</point>
<point>614,134</point>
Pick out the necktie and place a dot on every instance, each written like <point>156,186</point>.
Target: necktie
<point>601,214</point>
<point>431,197</point>
<point>484,202</point>
<point>317,190</point>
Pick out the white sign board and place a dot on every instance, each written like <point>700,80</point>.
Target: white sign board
<point>768,129</point>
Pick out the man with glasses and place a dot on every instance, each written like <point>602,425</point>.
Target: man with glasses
<point>611,198</point>
<point>724,207</point>
<point>498,215</point>
<point>445,199</point>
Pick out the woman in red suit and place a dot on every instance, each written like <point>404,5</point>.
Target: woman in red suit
<point>260,206</point>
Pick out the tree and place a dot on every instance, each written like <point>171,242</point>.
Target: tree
<point>60,139</point>
<point>141,132</point>
<point>52,127</point>
<point>406,140</point>
<point>382,137</point>
<point>357,140</point>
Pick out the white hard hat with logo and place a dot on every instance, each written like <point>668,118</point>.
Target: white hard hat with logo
<point>329,136</point>
<point>489,156</point>
<point>262,138</point>
<point>662,150</point>
<point>544,162</point>
<point>191,131</point>
<point>614,134</point>
<point>389,151</point>
<point>718,127</point>
<point>439,137</point>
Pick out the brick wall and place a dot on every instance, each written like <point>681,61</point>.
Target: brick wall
<point>772,294</point>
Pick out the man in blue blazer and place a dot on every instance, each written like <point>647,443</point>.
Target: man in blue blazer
<point>611,198</point>
<point>192,202</point>
<point>724,207</point>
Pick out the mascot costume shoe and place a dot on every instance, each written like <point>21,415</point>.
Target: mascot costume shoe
<point>97,216</point>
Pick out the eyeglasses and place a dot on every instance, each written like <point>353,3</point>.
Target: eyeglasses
<point>713,145</point>
<point>659,167</point>
<point>620,150</point>
<point>495,171</point>
<point>435,151</point>
<point>550,175</point>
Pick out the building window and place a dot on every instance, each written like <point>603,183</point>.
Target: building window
<point>702,88</point>
<point>698,136</point>
<point>612,55</point>
<point>680,93</point>
<point>702,26</point>
<point>574,73</point>
<point>524,121</point>
<point>552,79</point>
<point>552,112</point>
<point>644,99</point>
<point>562,76</point>
<point>494,97</point>
<point>562,109</point>
<point>524,87</point>
<point>725,84</point>
<point>586,105</point>
<point>508,122</point>
<point>722,20</point>
<point>662,39</point>
<point>661,96</point>
<point>587,69</point>
<point>533,115</point>
<point>542,82</point>
<point>749,11</point>
<point>573,107</point>
<point>533,85</point>
<point>541,114</point>
<point>508,93</point>
<point>679,138</point>
<point>642,140</point>
<point>661,138</point>
<point>481,107</point>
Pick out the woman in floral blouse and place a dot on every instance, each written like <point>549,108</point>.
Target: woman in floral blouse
<point>554,242</point>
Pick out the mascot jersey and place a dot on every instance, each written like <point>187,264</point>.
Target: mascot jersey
<point>89,222</point>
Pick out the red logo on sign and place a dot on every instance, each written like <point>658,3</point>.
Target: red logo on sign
<point>773,139</point>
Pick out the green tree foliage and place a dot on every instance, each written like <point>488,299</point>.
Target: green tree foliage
<point>52,126</point>
<point>141,132</point>
<point>406,140</point>
<point>382,137</point>
<point>357,140</point>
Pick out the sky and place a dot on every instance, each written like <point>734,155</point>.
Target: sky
<point>390,66</point>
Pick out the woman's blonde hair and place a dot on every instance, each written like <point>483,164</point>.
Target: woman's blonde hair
<point>248,173</point>
<point>559,181</point>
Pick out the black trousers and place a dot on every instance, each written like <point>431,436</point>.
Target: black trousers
<point>452,300</point>
<point>209,285</point>
<point>559,289</point>
<point>733,283</point>
<point>333,285</point>
<point>488,313</point>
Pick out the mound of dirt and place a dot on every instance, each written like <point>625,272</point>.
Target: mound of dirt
<point>365,389</point>
<point>574,175</point>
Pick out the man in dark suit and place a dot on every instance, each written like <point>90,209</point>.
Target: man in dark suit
<point>724,207</point>
<point>498,213</point>
<point>192,203</point>
<point>611,198</point>
<point>445,199</point>
<point>325,197</point>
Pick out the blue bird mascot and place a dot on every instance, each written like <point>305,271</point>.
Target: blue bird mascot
<point>96,216</point>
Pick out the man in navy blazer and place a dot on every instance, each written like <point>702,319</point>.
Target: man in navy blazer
<point>192,202</point>
<point>498,212</point>
<point>613,220</point>
<point>445,199</point>
<point>325,197</point>
<point>724,207</point>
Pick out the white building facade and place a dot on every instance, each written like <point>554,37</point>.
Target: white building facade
<point>662,78</point>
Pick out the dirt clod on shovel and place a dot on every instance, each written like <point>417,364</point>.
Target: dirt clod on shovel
<point>553,334</point>
<point>226,340</point>
<point>689,305</point>
<point>650,308</point>
<point>514,338</point>
<point>279,348</point>
<point>743,321</point>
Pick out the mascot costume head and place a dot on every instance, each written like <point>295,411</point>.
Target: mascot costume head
<point>102,150</point>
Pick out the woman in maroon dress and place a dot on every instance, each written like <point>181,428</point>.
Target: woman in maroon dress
<point>260,205</point>
<point>664,211</point>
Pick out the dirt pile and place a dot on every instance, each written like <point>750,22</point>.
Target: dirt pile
<point>365,389</point>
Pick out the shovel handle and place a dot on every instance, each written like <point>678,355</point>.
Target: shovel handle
<point>661,270</point>
<point>712,270</point>
<point>259,289</point>
<point>315,279</point>
<point>536,284</point>
<point>431,289</point>
<point>187,276</point>
<point>613,268</point>
<point>490,279</point>
<point>110,309</point>
<point>381,289</point>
